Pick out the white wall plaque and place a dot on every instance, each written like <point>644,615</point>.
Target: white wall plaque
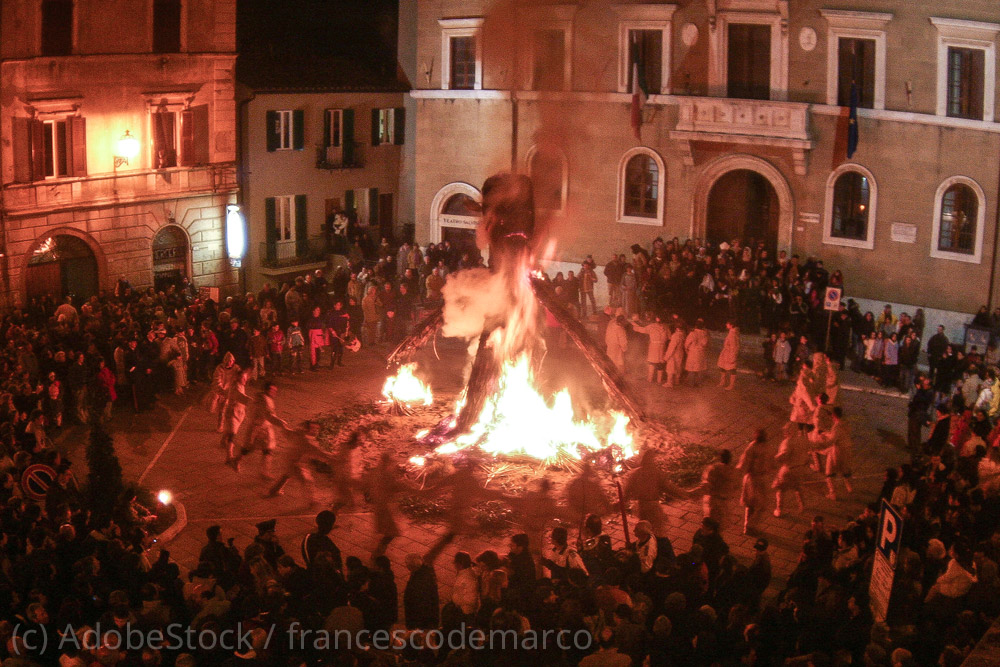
<point>807,39</point>
<point>689,34</point>
<point>904,232</point>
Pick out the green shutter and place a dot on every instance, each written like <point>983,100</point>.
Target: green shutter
<point>373,207</point>
<point>272,131</point>
<point>375,136</point>
<point>298,129</point>
<point>327,119</point>
<point>349,206</point>
<point>301,227</point>
<point>398,125</point>
<point>270,230</point>
<point>347,136</point>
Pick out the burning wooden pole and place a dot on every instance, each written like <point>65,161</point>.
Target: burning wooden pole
<point>482,383</point>
<point>614,381</point>
<point>425,329</point>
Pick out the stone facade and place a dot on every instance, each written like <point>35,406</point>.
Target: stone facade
<point>65,107</point>
<point>909,148</point>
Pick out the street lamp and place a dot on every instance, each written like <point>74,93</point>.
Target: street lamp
<point>236,240</point>
<point>128,148</point>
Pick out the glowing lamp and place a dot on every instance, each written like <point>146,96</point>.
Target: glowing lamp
<point>128,148</point>
<point>165,497</point>
<point>236,237</point>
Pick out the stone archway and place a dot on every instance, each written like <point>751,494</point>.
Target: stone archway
<point>450,221</point>
<point>84,266</point>
<point>721,166</point>
<point>171,253</point>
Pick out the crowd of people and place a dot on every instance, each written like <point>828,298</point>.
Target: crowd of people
<point>78,579</point>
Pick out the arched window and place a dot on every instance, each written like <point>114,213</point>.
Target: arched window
<point>851,198</point>
<point>549,177</point>
<point>641,191</point>
<point>460,204</point>
<point>959,208</point>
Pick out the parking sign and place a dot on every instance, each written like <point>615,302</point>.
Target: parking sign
<point>886,553</point>
<point>832,299</point>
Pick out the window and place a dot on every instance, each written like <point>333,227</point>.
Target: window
<point>966,81</point>
<point>856,67</point>
<point>549,177</point>
<point>285,130</point>
<point>856,53</point>
<point>548,60</point>
<point>166,26</point>
<point>461,54</point>
<point>642,182</point>
<point>54,146</point>
<point>334,127</point>
<point>646,29</point>
<point>286,230</point>
<point>748,74</point>
<point>959,210</point>
<point>338,138</point>
<point>178,135</point>
<point>388,126</point>
<point>463,63</point>
<point>851,198</point>
<point>57,27</point>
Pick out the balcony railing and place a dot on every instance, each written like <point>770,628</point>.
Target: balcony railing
<point>757,118</point>
<point>332,157</point>
<point>123,187</point>
<point>287,254</point>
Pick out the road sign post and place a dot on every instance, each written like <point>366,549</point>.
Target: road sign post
<point>831,304</point>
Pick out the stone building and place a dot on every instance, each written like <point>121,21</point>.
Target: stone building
<point>119,144</point>
<point>744,132</point>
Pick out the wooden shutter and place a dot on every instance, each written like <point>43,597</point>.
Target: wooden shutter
<point>977,78</point>
<point>76,144</point>
<point>349,206</point>
<point>845,71</point>
<point>375,137</point>
<point>398,125</point>
<point>270,229</point>
<point>21,129</point>
<point>327,119</point>
<point>37,150</point>
<point>273,140</point>
<point>194,136</point>
<point>301,227</point>
<point>298,129</point>
<point>372,206</point>
<point>749,64</point>
<point>347,136</point>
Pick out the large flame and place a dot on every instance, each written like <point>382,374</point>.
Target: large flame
<point>405,387</point>
<point>518,420</point>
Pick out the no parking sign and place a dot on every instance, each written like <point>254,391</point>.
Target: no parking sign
<point>36,480</point>
<point>832,299</point>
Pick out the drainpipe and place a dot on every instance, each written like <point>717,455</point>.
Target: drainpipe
<point>996,242</point>
<point>513,130</point>
<point>241,180</point>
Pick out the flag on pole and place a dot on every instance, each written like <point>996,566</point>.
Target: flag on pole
<point>852,123</point>
<point>639,92</point>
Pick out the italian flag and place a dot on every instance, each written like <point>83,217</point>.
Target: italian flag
<point>639,92</point>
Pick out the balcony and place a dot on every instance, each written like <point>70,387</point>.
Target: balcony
<point>41,197</point>
<point>333,158</point>
<point>754,122</point>
<point>280,257</point>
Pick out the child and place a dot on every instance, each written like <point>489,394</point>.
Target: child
<point>275,345</point>
<point>296,343</point>
<point>782,354</point>
<point>258,353</point>
<point>769,344</point>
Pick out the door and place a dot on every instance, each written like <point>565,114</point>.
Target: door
<point>385,210</point>
<point>749,66</point>
<point>62,265</point>
<point>743,205</point>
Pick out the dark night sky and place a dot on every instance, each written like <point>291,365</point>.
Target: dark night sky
<point>289,36</point>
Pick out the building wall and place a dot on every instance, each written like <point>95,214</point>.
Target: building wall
<point>464,136</point>
<point>294,172</point>
<point>112,80</point>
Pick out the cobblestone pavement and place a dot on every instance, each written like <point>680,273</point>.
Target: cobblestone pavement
<point>176,447</point>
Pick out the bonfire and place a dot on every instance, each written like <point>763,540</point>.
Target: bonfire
<point>501,412</point>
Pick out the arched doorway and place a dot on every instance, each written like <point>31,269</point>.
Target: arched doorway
<point>454,216</point>
<point>742,204</point>
<point>717,169</point>
<point>170,255</point>
<point>62,265</point>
